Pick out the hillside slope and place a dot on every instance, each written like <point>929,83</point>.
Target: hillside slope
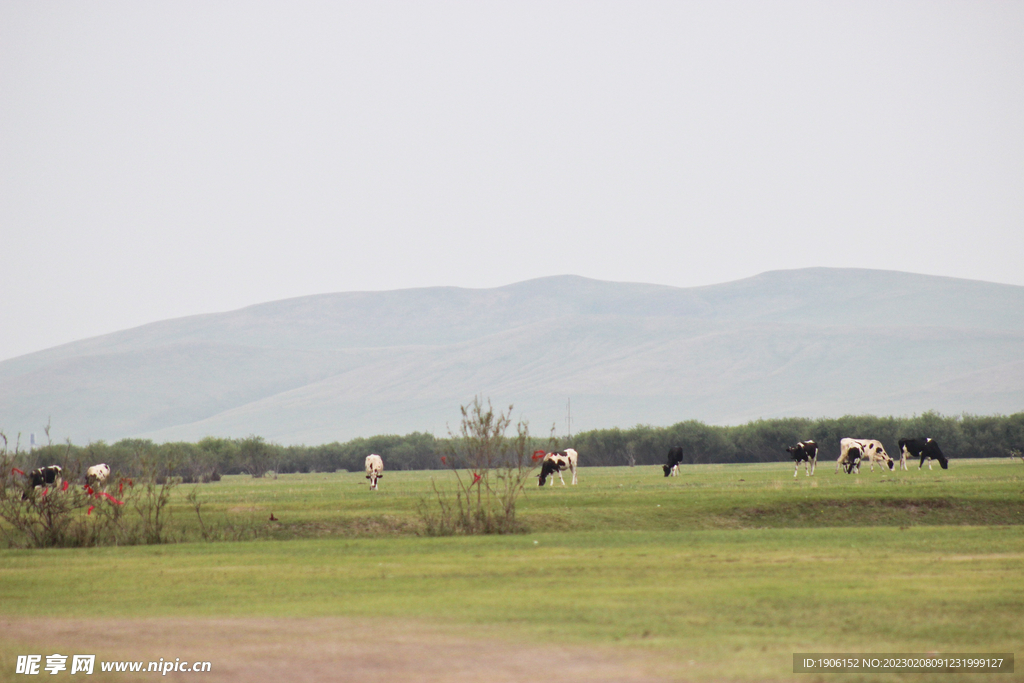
<point>333,366</point>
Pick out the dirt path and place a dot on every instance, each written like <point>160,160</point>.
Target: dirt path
<point>328,649</point>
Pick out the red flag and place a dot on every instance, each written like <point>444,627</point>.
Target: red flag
<point>444,460</point>
<point>15,469</point>
<point>91,508</point>
<point>65,487</point>
<point>88,489</point>
<point>538,455</point>
<point>476,477</point>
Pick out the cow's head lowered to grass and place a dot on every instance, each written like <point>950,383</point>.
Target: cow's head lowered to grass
<point>556,463</point>
<point>675,456</point>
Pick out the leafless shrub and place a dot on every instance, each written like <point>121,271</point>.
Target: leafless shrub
<point>223,528</point>
<point>491,471</point>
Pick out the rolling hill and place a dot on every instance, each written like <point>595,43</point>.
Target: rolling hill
<point>328,367</point>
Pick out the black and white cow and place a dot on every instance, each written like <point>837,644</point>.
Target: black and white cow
<point>374,469</point>
<point>804,452</point>
<point>926,449</point>
<point>44,476</point>
<point>97,476</point>
<point>675,456</point>
<point>853,451</point>
<point>558,462</point>
<point>852,460</point>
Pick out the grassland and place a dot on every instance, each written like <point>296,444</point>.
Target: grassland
<point>719,574</point>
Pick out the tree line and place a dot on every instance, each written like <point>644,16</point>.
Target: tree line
<point>963,436</point>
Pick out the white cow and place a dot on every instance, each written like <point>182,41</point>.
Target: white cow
<point>374,469</point>
<point>97,476</point>
<point>557,462</point>
<point>852,451</point>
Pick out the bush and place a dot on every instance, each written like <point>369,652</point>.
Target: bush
<point>491,471</point>
<point>73,514</point>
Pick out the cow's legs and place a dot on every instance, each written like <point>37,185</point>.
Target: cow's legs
<point>814,463</point>
<point>559,478</point>
<point>796,469</point>
<point>573,475</point>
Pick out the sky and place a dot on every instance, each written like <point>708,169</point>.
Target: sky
<point>164,159</point>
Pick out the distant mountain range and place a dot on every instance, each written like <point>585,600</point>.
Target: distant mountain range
<point>315,369</point>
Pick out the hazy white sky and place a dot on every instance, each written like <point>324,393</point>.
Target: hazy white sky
<point>161,159</point>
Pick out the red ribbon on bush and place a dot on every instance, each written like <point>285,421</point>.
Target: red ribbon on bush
<point>45,491</point>
<point>15,469</point>
<point>113,500</point>
<point>476,477</point>
<point>65,487</point>
<point>444,460</point>
<point>120,486</point>
<point>538,455</point>
<point>91,508</point>
<point>88,489</point>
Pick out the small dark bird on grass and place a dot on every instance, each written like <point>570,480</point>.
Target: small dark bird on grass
<point>273,518</point>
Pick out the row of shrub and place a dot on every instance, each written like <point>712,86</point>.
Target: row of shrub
<point>963,436</point>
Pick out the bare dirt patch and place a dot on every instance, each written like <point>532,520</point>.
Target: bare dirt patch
<point>324,649</point>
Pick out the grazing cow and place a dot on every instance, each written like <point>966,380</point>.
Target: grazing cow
<point>804,452</point>
<point>675,456</point>
<point>44,476</point>
<point>853,451</point>
<point>374,469</point>
<point>926,449</point>
<point>97,475</point>
<point>852,461</point>
<point>557,462</point>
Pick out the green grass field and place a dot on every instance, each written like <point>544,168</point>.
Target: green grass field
<point>731,567</point>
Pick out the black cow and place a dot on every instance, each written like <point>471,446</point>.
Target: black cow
<point>926,449</point>
<point>804,452</point>
<point>675,456</point>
